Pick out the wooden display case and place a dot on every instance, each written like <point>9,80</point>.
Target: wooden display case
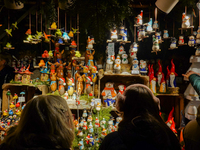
<point>17,88</point>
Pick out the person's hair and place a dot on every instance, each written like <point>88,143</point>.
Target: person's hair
<point>140,109</point>
<point>137,100</point>
<point>198,115</point>
<point>46,121</point>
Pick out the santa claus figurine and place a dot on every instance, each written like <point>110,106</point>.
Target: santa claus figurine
<point>122,88</point>
<point>172,76</point>
<point>97,124</point>
<point>181,40</point>
<point>159,74</point>
<point>162,85</point>
<point>139,18</point>
<point>152,80</point>
<point>170,121</point>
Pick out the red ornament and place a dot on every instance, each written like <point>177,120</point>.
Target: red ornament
<point>18,104</point>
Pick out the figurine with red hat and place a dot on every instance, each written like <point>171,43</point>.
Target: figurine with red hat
<point>103,133</point>
<point>97,124</point>
<point>85,72</point>
<point>152,80</point>
<point>85,125</point>
<point>167,76</point>
<point>122,88</point>
<point>162,85</point>
<point>149,70</point>
<point>88,86</point>
<point>159,74</point>
<point>170,121</point>
<point>172,76</point>
<point>139,18</point>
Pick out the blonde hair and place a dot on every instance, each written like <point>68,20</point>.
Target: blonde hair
<point>46,117</point>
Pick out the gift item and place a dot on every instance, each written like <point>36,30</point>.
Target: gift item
<point>155,47</point>
<point>181,40</point>
<point>88,86</point>
<point>149,26</point>
<point>121,50</point>
<point>143,67</point>
<point>198,36</point>
<point>45,54</point>
<point>173,43</point>
<point>170,121</point>
<point>152,80</point>
<point>117,65</point>
<point>53,25</point>
<point>81,145</point>
<point>114,36</point>
<point>139,18</point>
<point>103,133</point>
<point>155,25</point>
<point>90,43</point>
<point>98,107</point>
<point>65,36</point>
<point>159,74</point>
<point>109,65</point>
<point>124,35</point>
<point>162,85</point>
<point>124,59</point>
<point>109,88</point>
<point>89,119</point>
<point>70,89</point>
<point>158,36</point>
<point>53,84</point>
<point>172,76</point>
<point>109,101</point>
<point>122,88</point>
<point>165,34</point>
<point>191,41</point>
<point>80,85</point>
<point>97,124</point>
<point>135,66</point>
<point>80,132</point>
<point>185,21</point>
<point>141,33</point>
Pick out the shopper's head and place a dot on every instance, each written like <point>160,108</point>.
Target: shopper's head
<point>46,120</point>
<point>137,100</point>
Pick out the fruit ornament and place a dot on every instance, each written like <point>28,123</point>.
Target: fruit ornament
<point>45,54</point>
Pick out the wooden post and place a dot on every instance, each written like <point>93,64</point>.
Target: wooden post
<point>78,32</point>
<point>58,18</point>
<point>36,21</point>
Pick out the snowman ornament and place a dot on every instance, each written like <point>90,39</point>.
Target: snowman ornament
<point>181,40</point>
<point>117,65</point>
<point>135,67</point>
<point>121,50</point>
<point>191,41</point>
<point>165,34</point>
<point>198,36</point>
<point>173,44</point>
<point>124,59</point>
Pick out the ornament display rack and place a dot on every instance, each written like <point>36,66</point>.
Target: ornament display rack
<point>16,88</point>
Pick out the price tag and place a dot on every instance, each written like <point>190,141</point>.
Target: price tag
<point>111,49</point>
<point>21,99</point>
<point>96,101</point>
